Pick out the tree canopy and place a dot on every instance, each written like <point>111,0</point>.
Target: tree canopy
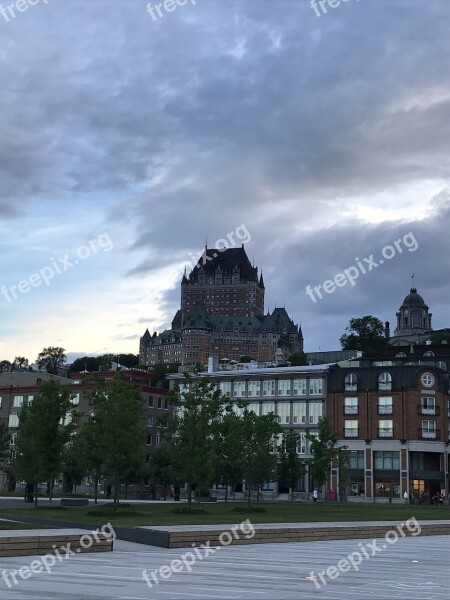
<point>365,334</point>
<point>51,359</point>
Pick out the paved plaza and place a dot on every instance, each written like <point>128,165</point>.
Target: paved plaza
<point>416,568</point>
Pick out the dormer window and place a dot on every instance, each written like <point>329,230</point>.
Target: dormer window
<point>350,382</point>
<point>385,381</point>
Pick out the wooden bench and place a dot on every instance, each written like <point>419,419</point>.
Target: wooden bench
<point>31,542</point>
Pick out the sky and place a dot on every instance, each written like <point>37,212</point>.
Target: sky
<point>128,138</point>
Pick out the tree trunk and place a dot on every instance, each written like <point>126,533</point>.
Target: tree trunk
<point>96,490</point>
<point>257,494</point>
<point>226,492</point>
<point>35,489</point>
<point>189,492</point>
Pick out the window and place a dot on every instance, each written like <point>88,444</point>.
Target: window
<point>237,409</point>
<point>350,428</point>
<point>442,365</point>
<point>385,405</point>
<point>149,439</point>
<point>267,407</point>
<point>269,387</point>
<point>315,412</point>
<point>299,387</point>
<point>284,387</point>
<point>254,388</point>
<point>389,461</point>
<point>158,439</point>
<point>13,420</point>
<point>151,400</point>
<point>351,406</point>
<point>284,412</point>
<point>428,405</point>
<point>225,387</point>
<point>385,428</point>
<point>12,439</point>
<point>299,412</point>
<point>385,381</point>
<point>427,380</point>
<point>350,382</point>
<point>400,355</point>
<point>17,401</point>
<point>355,459</point>
<point>254,406</point>
<point>428,353</point>
<point>315,387</point>
<point>75,400</point>
<point>0,401</point>
<point>150,421</point>
<point>160,403</point>
<point>428,429</point>
<point>239,389</point>
<point>301,445</point>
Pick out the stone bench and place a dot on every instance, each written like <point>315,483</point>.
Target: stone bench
<point>74,501</point>
<point>34,542</point>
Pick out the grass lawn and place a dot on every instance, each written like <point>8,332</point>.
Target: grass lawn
<point>282,512</point>
<point>10,526</point>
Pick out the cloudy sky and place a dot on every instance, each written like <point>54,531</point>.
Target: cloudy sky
<point>127,139</point>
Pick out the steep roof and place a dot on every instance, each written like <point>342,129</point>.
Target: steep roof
<point>227,262</point>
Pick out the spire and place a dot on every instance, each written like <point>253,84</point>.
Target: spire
<point>261,281</point>
<point>185,279</point>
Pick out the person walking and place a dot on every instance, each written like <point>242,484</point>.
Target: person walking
<point>315,495</point>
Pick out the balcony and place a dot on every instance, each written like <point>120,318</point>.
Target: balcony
<point>429,434</point>
<point>385,432</point>
<point>422,410</point>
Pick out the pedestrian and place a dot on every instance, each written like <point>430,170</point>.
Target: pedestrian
<point>315,495</point>
<point>405,497</point>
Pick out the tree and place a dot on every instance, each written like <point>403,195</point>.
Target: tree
<point>45,427</point>
<point>160,468</point>
<point>75,464</point>
<point>228,450</point>
<point>4,447</point>
<point>117,424</point>
<point>91,453</point>
<point>198,405</point>
<point>437,337</point>
<point>21,362</point>
<point>5,366</point>
<point>290,468</point>
<point>258,459</point>
<point>51,359</point>
<point>365,334</point>
<point>323,449</point>
<point>298,359</point>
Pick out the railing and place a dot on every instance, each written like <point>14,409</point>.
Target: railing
<point>432,410</point>
<point>385,432</point>
<point>429,434</point>
<point>350,433</point>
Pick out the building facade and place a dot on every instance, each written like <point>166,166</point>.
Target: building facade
<point>296,395</point>
<point>222,313</point>
<point>394,418</point>
<point>17,389</point>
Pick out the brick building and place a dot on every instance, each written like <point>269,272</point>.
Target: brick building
<point>19,388</point>
<point>394,417</point>
<point>222,313</point>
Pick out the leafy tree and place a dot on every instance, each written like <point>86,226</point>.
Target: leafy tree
<point>5,366</point>
<point>290,468</point>
<point>229,445</point>
<point>258,459</point>
<point>117,424</point>
<point>160,468</point>
<point>45,427</point>
<point>91,453</point>
<point>198,405</point>
<point>245,359</point>
<point>4,444</point>
<point>51,359</point>
<point>86,363</point>
<point>323,450</point>
<point>365,334</point>
<point>437,337</point>
<point>298,359</point>
<point>21,362</point>
<point>75,464</point>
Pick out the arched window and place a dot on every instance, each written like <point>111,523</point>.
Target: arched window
<point>428,353</point>
<point>350,382</point>
<point>442,365</point>
<point>385,381</point>
<point>400,355</point>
